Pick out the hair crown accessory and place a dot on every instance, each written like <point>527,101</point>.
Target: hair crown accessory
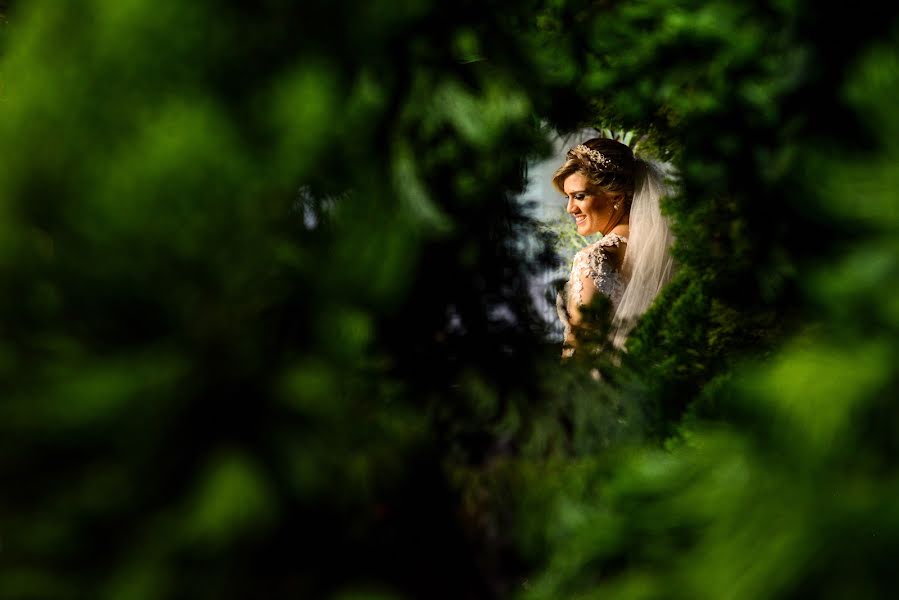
<point>592,155</point>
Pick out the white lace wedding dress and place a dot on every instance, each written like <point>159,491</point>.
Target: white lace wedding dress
<point>595,269</point>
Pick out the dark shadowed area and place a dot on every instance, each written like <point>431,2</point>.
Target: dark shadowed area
<point>271,322</point>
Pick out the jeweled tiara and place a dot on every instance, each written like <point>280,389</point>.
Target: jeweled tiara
<point>594,156</point>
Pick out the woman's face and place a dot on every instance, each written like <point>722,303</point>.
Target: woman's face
<point>592,210</point>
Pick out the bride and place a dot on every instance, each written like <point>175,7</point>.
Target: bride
<point>612,192</point>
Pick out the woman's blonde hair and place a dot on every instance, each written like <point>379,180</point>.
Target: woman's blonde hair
<point>607,164</point>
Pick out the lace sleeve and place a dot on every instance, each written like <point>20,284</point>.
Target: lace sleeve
<point>595,267</point>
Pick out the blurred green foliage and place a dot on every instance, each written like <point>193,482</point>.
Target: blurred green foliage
<point>266,329</point>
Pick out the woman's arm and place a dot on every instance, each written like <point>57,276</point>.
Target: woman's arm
<point>583,311</point>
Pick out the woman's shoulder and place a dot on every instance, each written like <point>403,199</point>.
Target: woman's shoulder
<point>612,240</point>
<point>609,243</point>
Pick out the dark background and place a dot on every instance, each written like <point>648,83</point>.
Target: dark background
<point>265,328</point>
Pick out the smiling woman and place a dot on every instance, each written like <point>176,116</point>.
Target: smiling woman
<point>594,210</point>
<point>610,191</point>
